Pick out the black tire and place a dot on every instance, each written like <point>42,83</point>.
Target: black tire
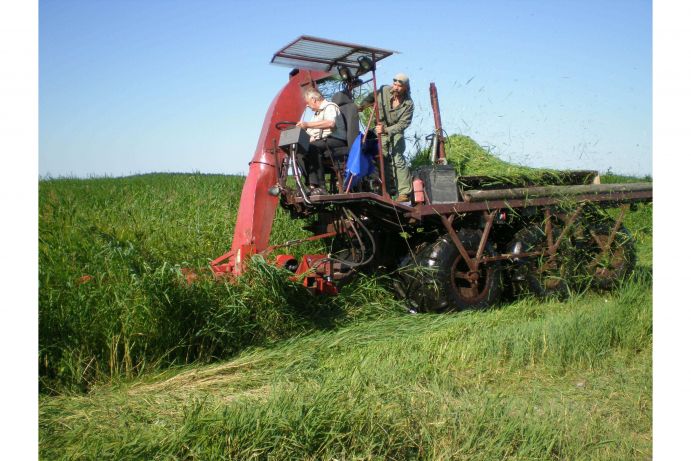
<point>438,278</point>
<point>539,275</point>
<point>606,269</point>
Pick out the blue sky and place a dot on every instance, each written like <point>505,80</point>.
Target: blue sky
<point>139,86</point>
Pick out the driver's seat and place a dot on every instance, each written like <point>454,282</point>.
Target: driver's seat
<point>335,159</point>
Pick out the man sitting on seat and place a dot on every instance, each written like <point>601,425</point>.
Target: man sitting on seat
<point>327,131</point>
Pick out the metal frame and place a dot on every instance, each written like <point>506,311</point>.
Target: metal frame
<point>308,52</point>
<point>446,214</point>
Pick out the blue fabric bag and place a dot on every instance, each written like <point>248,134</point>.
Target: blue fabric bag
<point>360,163</point>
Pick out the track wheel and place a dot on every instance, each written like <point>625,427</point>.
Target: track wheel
<point>606,265</point>
<point>540,275</point>
<point>438,278</point>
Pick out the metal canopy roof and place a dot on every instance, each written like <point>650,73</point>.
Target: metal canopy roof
<point>321,54</point>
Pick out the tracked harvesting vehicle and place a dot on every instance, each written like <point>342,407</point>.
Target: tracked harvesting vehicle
<point>461,241</point>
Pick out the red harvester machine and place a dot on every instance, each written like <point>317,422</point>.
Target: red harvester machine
<point>459,244</point>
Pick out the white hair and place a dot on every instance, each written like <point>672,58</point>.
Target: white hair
<point>312,92</point>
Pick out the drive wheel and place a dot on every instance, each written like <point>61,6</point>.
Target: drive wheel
<point>440,279</point>
<point>540,275</point>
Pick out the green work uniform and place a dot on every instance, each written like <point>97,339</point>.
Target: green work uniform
<point>395,121</point>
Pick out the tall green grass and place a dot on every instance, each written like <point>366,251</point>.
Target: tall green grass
<point>113,297</point>
<point>528,381</point>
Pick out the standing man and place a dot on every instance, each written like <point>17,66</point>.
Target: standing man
<point>395,115</point>
<point>327,130</point>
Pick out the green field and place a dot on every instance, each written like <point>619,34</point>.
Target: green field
<point>135,363</point>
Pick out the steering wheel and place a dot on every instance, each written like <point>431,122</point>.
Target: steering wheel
<point>283,125</point>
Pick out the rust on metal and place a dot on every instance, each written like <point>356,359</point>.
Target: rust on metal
<point>610,238</point>
<point>447,221</point>
<point>489,220</point>
<point>567,226</point>
<point>551,191</point>
<point>422,211</point>
<point>382,177</point>
<point>467,207</point>
<point>438,130</point>
<point>299,241</point>
<point>549,233</point>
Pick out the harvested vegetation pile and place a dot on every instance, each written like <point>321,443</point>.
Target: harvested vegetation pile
<point>470,159</point>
